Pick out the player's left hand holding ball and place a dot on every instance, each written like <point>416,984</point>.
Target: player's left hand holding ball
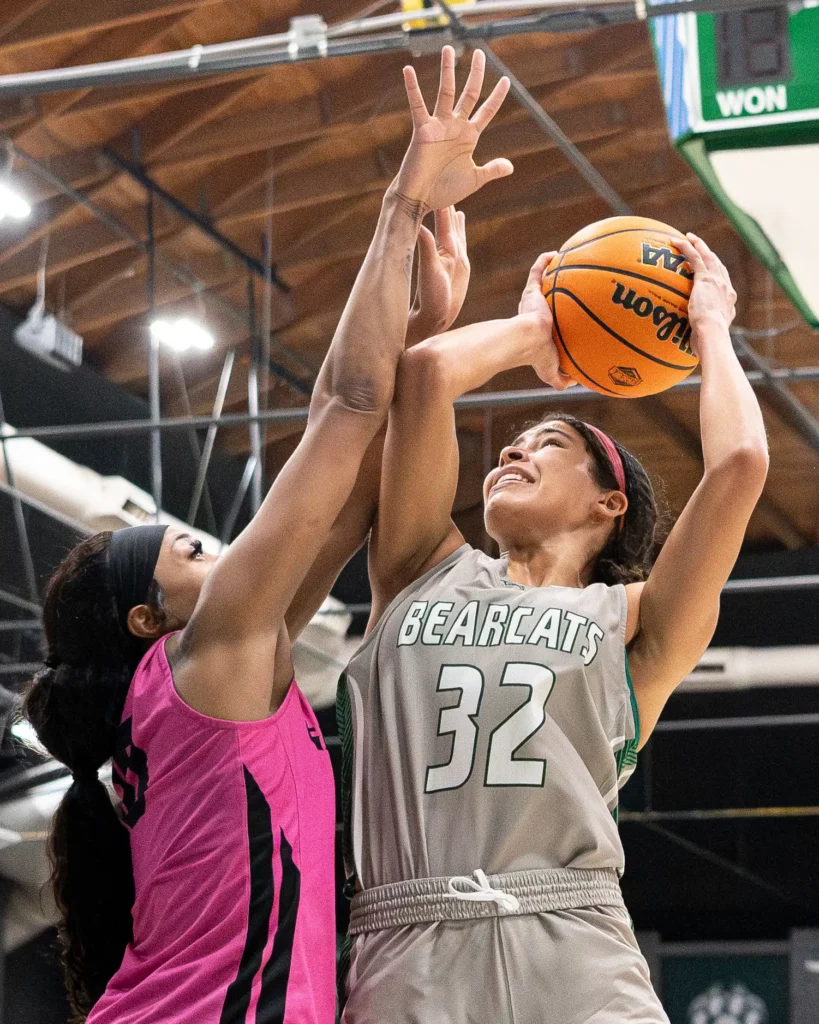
<point>546,363</point>
<point>713,300</point>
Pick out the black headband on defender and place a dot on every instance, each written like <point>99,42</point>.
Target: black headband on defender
<point>132,558</point>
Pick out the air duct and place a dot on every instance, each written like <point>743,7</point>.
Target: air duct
<point>94,502</point>
<point>111,502</point>
<point>98,502</point>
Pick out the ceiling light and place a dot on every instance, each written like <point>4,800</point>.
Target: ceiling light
<point>182,334</point>
<point>12,204</point>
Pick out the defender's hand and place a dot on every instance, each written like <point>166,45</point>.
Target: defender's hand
<point>438,169</point>
<point>443,276</point>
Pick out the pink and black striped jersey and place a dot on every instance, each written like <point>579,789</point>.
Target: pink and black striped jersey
<point>232,828</point>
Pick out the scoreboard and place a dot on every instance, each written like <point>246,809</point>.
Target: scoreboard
<point>758,68</point>
<point>738,70</point>
<point>741,91</point>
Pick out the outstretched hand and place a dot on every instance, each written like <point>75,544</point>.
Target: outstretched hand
<point>438,169</point>
<point>443,276</point>
<point>546,364</point>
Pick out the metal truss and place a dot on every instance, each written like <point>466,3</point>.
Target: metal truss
<point>474,401</point>
<point>314,41</point>
<point>181,273</point>
<point>139,175</point>
<point>716,859</point>
<point>355,38</point>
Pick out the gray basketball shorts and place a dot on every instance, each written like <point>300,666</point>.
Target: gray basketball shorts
<point>486,964</point>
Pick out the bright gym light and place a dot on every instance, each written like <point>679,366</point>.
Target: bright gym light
<point>24,733</point>
<point>182,334</point>
<point>12,204</point>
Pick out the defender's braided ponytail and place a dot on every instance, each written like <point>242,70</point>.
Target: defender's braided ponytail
<point>75,704</point>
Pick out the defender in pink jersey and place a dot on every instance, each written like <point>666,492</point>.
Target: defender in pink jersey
<point>251,935</point>
<point>206,896</point>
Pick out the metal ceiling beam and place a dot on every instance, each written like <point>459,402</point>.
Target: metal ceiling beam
<point>238,500</point>
<point>154,397</point>
<point>19,602</point>
<point>716,859</point>
<point>720,814</point>
<point>690,443</point>
<point>348,39</point>
<point>20,668</point>
<point>736,722</point>
<point>742,947</point>
<point>475,400</point>
<point>46,510</point>
<point>809,582</point>
<point>19,516</point>
<point>255,430</point>
<point>139,175</point>
<point>210,440</point>
<point>785,402</point>
<point>177,270</point>
<point>549,126</point>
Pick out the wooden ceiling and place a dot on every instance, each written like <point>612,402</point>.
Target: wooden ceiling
<point>303,153</point>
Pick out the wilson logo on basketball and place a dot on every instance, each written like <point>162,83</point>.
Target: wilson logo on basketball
<point>670,326</point>
<point>655,256</point>
<point>625,376</point>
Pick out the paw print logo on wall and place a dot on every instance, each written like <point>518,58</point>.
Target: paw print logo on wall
<point>728,1004</point>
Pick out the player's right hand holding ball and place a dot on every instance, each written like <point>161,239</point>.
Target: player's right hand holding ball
<point>712,305</point>
<point>533,304</point>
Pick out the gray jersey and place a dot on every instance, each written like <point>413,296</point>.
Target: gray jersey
<point>492,726</point>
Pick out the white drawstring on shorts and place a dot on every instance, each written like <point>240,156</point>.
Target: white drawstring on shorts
<point>481,891</point>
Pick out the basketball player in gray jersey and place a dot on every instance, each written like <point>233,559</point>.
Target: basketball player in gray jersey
<point>497,705</point>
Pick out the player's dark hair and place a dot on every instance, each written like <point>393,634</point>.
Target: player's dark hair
<point>75,704</point>
<point>629,553</point>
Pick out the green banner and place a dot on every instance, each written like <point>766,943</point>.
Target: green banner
<point>726,989</point>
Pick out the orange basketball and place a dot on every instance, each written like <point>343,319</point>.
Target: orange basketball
<point>619,292</point>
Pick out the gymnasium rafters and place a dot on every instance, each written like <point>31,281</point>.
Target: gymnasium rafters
<point>304,152</point>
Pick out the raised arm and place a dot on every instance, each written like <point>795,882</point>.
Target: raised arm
<point>443,278</point>
<point>679,604</point>
<point>414,528</point>
<point>237,627</point>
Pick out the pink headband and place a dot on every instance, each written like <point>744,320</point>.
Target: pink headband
<point>615,461</point>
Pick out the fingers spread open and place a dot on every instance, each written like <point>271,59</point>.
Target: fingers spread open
<point>474,84</point>
<point>460,224</point>
<point>491,105</point>
<point>418,109</point>
<point>444,230</point>
<point>499,168</point>
<point>446,88</point>
<point>426,248</point>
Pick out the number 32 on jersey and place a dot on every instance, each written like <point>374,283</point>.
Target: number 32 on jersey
<point>459,722</point>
